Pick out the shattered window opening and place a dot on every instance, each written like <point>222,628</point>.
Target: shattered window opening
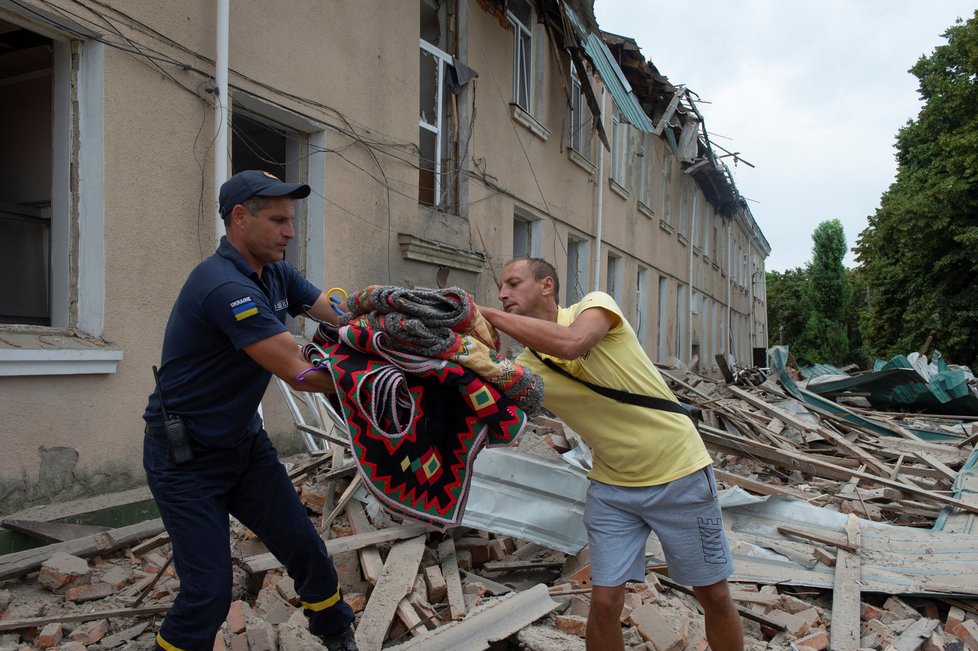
<point>520,16</point>
<point>579,136</point>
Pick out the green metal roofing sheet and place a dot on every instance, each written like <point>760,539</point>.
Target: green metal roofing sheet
<point>611,74</point>
<point>618,86</point>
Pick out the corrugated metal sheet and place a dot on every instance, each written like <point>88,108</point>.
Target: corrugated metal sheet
<point>611,74</point>
<point>528,497</point>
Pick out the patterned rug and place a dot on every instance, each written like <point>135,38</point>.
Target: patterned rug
<point>416,423</point>
<point>443,323</point>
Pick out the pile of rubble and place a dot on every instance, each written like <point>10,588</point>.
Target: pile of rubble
<point>850,529</point>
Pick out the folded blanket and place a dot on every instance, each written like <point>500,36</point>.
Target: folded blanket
<point>445,324</point>
<point>416,423</point>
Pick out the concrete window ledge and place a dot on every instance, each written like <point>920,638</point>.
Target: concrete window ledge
<point>440,253</point>
<point>581,161</point>
<point>530,122</point>
<point>77,358</point>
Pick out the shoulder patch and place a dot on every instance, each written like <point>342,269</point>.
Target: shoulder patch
<point>242,308</point>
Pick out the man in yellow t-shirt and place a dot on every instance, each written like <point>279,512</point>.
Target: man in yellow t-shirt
<point>651,471</point>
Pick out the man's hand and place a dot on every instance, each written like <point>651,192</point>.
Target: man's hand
<point>280,355</point>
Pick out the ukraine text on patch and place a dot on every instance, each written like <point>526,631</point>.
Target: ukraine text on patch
<point>243,308</point>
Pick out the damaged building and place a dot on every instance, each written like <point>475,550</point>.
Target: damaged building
<point>440,138</point>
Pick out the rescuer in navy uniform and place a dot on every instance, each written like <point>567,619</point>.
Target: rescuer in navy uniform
<point>225,338</point>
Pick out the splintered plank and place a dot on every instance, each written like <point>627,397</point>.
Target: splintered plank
<point>266,562</point>
<point>52,532</point>
<point>38,622</point>
<point>370,561</point>
<point>453,580</point>
<point>394,583</point>
<point>845,591</point>
<point>719,440</point>
<point>20,563</point>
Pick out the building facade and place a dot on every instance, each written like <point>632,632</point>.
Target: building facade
<point>441,138</point>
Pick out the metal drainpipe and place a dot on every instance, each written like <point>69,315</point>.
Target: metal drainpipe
<point>220,108</point>
<point>726,335</point>
<point>597,232</point>
<point>689,278</point>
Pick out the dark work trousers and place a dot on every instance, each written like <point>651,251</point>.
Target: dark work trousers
<point>194,500</point>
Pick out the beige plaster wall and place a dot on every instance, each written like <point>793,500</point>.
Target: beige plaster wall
<point>356,77</point>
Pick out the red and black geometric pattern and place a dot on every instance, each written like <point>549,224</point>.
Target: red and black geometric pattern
<point>416,423</point>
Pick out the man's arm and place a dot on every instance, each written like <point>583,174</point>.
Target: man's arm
<point>565,342</point>
<point>322,310</point>
<point>280,355</point>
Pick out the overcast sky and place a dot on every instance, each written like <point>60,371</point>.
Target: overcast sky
<point>811,93</point>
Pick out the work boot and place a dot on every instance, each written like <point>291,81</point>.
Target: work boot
<point>342,641</point>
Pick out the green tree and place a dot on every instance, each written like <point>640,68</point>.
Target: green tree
<point>825,338</point>
<point>787,308</point>
<point>919,251</point>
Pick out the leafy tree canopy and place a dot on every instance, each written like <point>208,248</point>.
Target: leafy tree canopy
<point>919,254</point>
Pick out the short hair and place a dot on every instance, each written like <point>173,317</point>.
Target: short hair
<point>254,205</point>
<point>540,269</point>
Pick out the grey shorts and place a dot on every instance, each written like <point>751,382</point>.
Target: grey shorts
<point>684,514</point>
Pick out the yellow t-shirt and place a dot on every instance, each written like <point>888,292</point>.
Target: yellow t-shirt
<point>631,445</point>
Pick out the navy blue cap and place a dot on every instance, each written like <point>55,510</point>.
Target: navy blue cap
<point>256,183</point>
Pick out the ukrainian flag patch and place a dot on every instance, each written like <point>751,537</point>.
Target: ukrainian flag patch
<point>243,308</point>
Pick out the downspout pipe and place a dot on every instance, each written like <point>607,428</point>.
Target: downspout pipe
<point>220,109</point>
<point>689,276</point>
<point>600,217</point>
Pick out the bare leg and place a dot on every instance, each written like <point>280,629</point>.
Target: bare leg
<point>723,630</point>
<point>604,619</point>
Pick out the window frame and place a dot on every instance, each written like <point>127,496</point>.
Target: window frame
<point>77,248</point>
<point>522,59</point>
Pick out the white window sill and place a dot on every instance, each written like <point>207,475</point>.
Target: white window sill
<point>581,161</point>
<point>530,122</point>
<point>645,210</point>
<point>666,226</point>
<point>619,189</point>
<point>42,354</point>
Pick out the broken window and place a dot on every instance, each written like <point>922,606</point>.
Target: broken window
<point>641,303</point>
<point>51,234</point>
<point>27,130</point>
<point>645,171</point>
<point>619,147</point>
<point>579,137</point>
<point>258,143</point>
<point>520,16</point>
<point>665,194</point>
<point>576,269</point>
<point>526,237</point>
<point>434,141</point>
<point>662,332</point>
<point>613,280</point>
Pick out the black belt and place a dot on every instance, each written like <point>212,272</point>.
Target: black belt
<point>154,431</point>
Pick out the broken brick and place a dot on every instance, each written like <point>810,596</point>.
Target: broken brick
<point>654,627</point>
<point>49,636</point>
<point>90,632</point>
<point>573,624</point>
<point>62,570</point>
<point>89,592</point>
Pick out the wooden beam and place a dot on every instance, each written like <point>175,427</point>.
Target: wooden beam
<point>395,582</point>
<point>52,532</point>
<point>370,561</point>
<point>20,563</point>
<point>778,413</point>
<point>844,635</point>
<point>453,580</point>
<point>266,562</point>
<point>796,461</point>
<point>937,465</point>
<point>760,487</point>
<point>38,622</point>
